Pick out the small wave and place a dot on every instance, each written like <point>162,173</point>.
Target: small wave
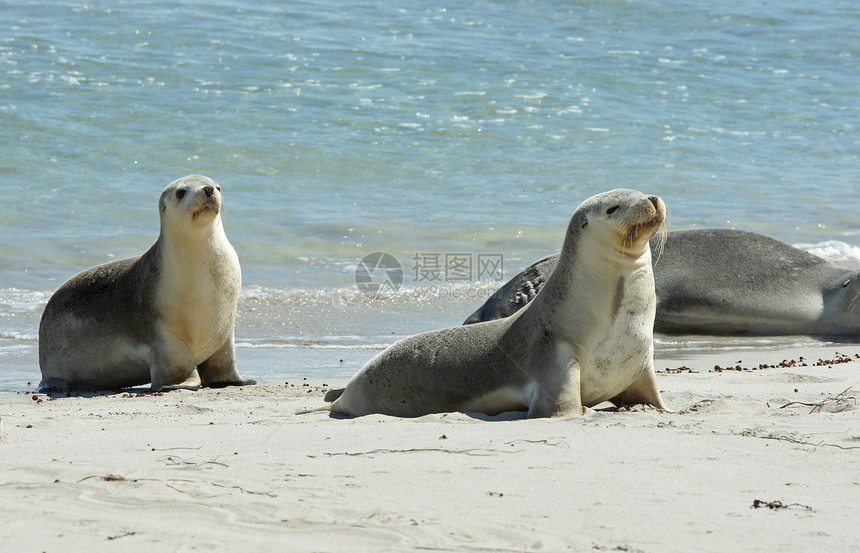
<point>533,96</point>
<point>18,336</point>
<point>260,295</point>
<point>673,345</point>
<point>311,345</point>
<point>18,350</point>
<point>16,299</point>
<point>834,251</point>
<point>408,293</point>
<point>358,86</point>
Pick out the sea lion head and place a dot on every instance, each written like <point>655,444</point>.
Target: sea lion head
<point>193,199</point>
<point>625,219</point>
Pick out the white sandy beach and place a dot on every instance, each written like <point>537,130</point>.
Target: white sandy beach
<point>239,470</point>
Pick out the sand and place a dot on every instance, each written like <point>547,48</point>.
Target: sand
<point>752,460</point>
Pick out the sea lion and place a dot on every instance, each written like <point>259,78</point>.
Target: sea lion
<point>585,339</point>
<point>722,281</point>
<point>153,318</point>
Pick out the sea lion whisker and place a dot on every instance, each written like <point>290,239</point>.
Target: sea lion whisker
<point>662,236</point>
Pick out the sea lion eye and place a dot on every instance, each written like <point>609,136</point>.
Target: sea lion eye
<point>612,209</point>
<point>180,193</point>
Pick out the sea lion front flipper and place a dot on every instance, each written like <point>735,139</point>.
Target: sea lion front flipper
<point>644,390</point>
<point>558,399</point>
<point>220,369</point>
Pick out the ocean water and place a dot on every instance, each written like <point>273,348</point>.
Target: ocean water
<point>465,134</point>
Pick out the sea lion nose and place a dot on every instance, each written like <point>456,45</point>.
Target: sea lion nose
<point>653,200</point>
<point>209,190</point>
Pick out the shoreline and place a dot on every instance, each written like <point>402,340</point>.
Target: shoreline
<point>275,364</point>
<point>765,455</point>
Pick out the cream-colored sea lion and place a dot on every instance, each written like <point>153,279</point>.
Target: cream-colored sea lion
<point>153,318</point>
<point>585,339</point>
